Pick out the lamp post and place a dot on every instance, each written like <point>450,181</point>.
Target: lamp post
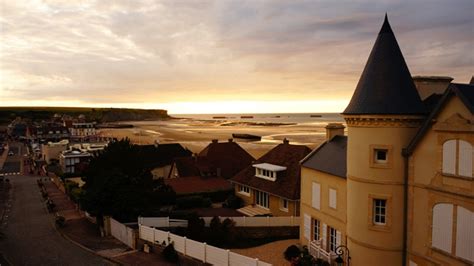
<point>340,252</point>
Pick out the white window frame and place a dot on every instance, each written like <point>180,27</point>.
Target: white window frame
<point>262,199</point>
<point>379,211</point>
<point>244,190</point>
<point>316,229</point>
<point>332,243</point>
<point>316,195</point>
<point>284,202</point>
<point>376,152</point>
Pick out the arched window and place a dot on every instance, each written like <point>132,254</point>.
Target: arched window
<point>457,158</point>
<point>465,234</point>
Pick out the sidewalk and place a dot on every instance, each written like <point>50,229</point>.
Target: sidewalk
<point>82,232</point>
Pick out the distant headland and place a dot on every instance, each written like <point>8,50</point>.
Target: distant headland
<point>100,115</point>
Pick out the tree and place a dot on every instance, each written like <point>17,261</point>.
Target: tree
<point>117,183</point>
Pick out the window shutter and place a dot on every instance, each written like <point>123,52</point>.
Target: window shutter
<point>338,238</point>
<point>465,159</point>
<point>307,226</point>
<point>449,157</point>
<point>316,196</point>
<point>332,198</point>
<point>465,234</point>
<point>325,239</point>
<point>442,226</point>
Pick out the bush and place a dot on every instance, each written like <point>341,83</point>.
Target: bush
<point>193,202</point>
<point>170,254</point>
<point>76,194</point>
<point>233,202</point>
<point>292,252</point>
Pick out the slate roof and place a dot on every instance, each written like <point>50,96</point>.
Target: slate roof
<point>386,85</point>
<point>330,157</point>
<point>464,91</point>
<point>287,184</point>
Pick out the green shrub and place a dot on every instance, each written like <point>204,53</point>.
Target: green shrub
<point>233,202</point>
<point>292,253</point>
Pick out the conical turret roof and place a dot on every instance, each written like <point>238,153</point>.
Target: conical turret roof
<point>386,85</point>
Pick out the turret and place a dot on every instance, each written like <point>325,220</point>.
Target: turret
<point>382,116</point>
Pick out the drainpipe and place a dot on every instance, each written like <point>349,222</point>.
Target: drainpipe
<point>406,157</point>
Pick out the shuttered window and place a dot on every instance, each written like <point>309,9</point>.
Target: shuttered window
<point>307,226</point>
<point>449,157</point>
<point>325,236</point>
<point>465,159</point>
<point>332,198</point>
<point>316,196</point>
<point>465,234</point>
<point>442,227</point>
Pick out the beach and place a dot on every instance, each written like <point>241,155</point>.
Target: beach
<point>197,133</point>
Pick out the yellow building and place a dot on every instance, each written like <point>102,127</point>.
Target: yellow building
<point>408,185</point>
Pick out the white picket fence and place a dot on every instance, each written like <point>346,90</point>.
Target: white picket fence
<point>123,233</point>
<point>239,221</point>
<point>198,250</point>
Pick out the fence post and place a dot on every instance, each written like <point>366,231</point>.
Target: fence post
<point>168,221</point>
<point>256,261</point>
<point>184,246</point>
<point>205,252</point>
<point>245,224</point>
<point>268,220</point>
<point>168,237</point>
<point>292,222</point>
<point>228,257</point>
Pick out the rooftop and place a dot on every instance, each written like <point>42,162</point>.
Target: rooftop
<point>330,157</point>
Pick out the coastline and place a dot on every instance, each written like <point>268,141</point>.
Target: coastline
<point>195,134</point>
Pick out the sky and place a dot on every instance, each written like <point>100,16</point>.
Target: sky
<point>218,56</point>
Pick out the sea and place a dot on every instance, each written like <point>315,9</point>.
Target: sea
<point>290,118</point>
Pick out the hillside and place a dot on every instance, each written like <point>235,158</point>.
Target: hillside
<point>92,114</point>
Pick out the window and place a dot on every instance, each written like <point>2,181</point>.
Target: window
<point>457,158</point>
<point>261,199</point>
<point>307,226</point>
<point>316,229</point>
<point>380,155</point>
<point>332,198</point>
<point>244,190</point>
<point>332,239</point>
<point>316,196</point>
<point>284,205</point>
<point>380,206</point>
<point>443,227</point>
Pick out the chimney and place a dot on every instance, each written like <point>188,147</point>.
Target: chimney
<point>214,141</point>
<point>231,140</point>
<point>334,129</point>
<point>286,141</point>
<point>427,85</point>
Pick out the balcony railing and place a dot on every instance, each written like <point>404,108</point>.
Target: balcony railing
<point>316,250</point>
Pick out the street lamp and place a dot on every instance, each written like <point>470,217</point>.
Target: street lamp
<point>340,251</point>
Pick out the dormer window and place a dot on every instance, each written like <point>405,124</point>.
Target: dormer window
<point>268,171</point>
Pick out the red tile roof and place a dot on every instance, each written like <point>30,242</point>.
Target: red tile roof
<point>197,184</point>
<point>287,184</point>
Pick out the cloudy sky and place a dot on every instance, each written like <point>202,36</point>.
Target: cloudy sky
<point>218,56</point>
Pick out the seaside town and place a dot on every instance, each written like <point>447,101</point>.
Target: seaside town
<point>361,197</point>
<point>388,181</point>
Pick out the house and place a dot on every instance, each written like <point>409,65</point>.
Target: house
<point>198,184</point>
<point>406,197</point>
<point>223,159</point>
<point>70,160</point>
<point>271,185</point>
<point>323,191</point>
<point>83,130</point>
<point>52,150</point>
<point>160,158</point>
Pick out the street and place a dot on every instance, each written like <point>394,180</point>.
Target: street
<point>29,236</point>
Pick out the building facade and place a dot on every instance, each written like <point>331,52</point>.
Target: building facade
<point>409,188</point>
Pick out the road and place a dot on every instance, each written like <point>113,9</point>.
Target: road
<point>30,237</point>
<point>12,164</point>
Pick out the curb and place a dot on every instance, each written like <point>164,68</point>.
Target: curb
<point>65,236</point>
